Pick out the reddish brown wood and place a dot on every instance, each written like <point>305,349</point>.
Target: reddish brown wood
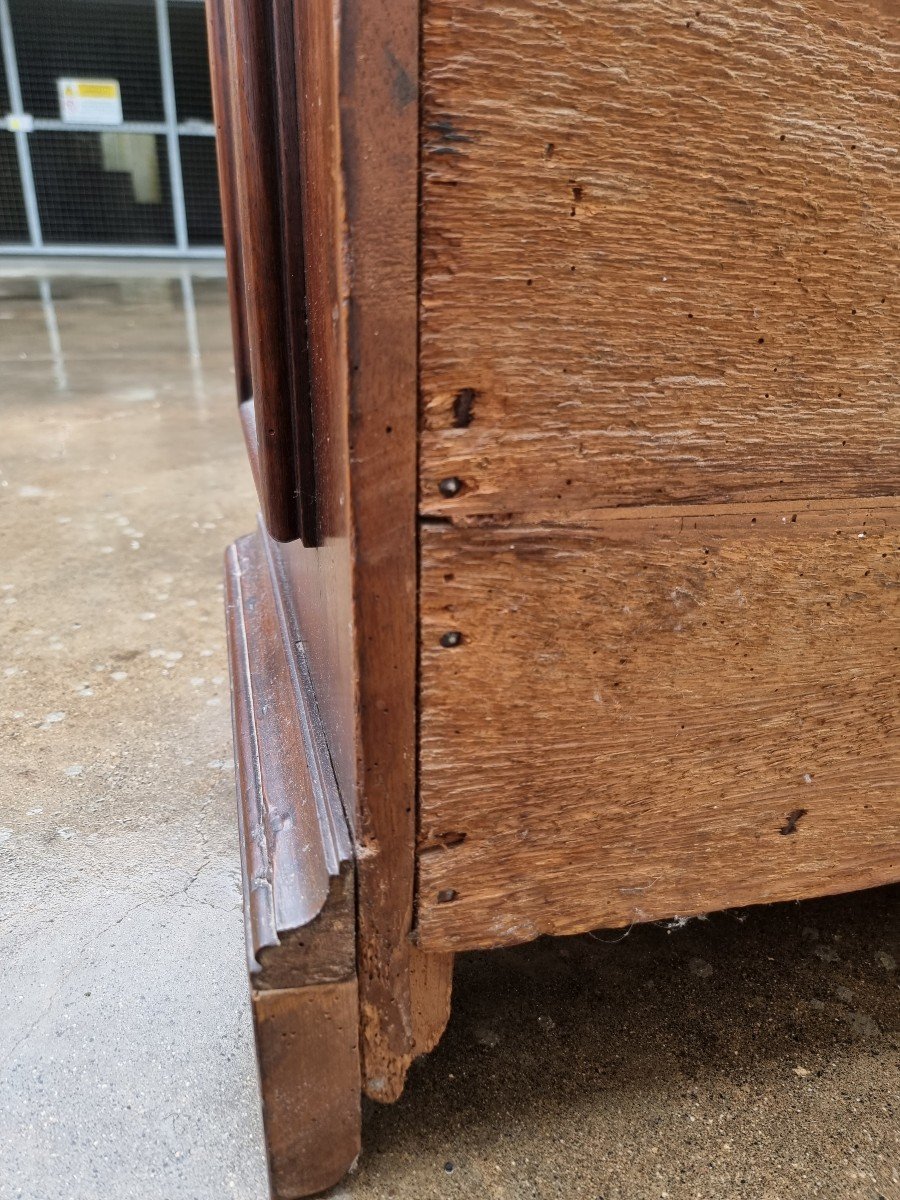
<point>657,713</point>
<point>616,703</point>
<point>217,41</point>
<point>296,849</point>
<point>273,294</point>
<point>356,596</point>
<point>298,889</point>
<point>308,1052</point>
<point>380,132</point>
<point>293,271</point>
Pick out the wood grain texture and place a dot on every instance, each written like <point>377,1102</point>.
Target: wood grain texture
<point>431,988</point>
<point>659,252</point>
<point>660,714</point>
<point>380,148</point>
<point>308,1051</point>
<point>355,595</point>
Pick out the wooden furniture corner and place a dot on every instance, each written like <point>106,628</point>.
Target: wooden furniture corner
<point>569,386</point>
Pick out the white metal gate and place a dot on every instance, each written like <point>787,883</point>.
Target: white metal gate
<point>107,144</point>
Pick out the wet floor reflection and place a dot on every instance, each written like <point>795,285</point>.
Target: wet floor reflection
<point>130,338</point>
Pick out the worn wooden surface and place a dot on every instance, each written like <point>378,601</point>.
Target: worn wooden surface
<point>319,580</point>
<point>308,1051</point>
<point>431,989</point>
<point>296,854</point>
<point>659,252</point>
<point>660,714</point>
<point>355,595</point>
<point>298,885</point>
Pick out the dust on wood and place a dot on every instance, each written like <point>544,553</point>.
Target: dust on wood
<point>637,704</point>
<point>660,245</point>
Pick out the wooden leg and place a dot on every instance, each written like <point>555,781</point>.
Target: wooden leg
<point>299,896</point>
<point>307,1045</point>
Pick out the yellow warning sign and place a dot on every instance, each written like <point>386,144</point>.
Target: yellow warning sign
<point>89,101</point>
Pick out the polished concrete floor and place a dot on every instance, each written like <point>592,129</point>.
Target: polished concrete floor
<point>752,1056</point>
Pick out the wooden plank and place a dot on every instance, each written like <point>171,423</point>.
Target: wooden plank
<point>355,595</point>
<point>658,715</point>
<point>318,580</point>
<point>307,1045</point>
<point>659,253</point>
<point>380,139</point>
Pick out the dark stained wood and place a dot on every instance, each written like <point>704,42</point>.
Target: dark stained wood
<point>299,912</point>
<point>273,289</point>
<point>319,580</point>
<point>658,253</point>
<point>658,713</point>
<point>293,272</point>
<point>307,1046</point>
<point>295,847</point>
<point>355,597</point>
<point>217,41</point>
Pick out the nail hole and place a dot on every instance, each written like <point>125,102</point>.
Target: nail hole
<point>790,823</point>
<point>463,403</point>
<point>447,896</point>
<point>442,841</point>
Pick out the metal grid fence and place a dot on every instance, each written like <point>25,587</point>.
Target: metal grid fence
<point>143,183</point>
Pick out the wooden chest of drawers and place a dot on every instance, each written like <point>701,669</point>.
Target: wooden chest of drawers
<point>566,349</point>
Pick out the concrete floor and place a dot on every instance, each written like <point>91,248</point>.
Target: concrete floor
<point>751,1056</point>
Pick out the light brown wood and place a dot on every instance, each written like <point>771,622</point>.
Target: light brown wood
<point>657,714</point>
<point>307,1046</point>
<point>431,987</point>
<point>659,252</point>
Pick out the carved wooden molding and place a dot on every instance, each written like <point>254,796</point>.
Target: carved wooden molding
<point>296,853</point>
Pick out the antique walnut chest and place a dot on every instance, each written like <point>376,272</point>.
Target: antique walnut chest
<point>565,340</point>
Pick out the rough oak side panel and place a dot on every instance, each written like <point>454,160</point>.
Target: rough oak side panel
<point>659,252</point>
<point>659,715</point>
